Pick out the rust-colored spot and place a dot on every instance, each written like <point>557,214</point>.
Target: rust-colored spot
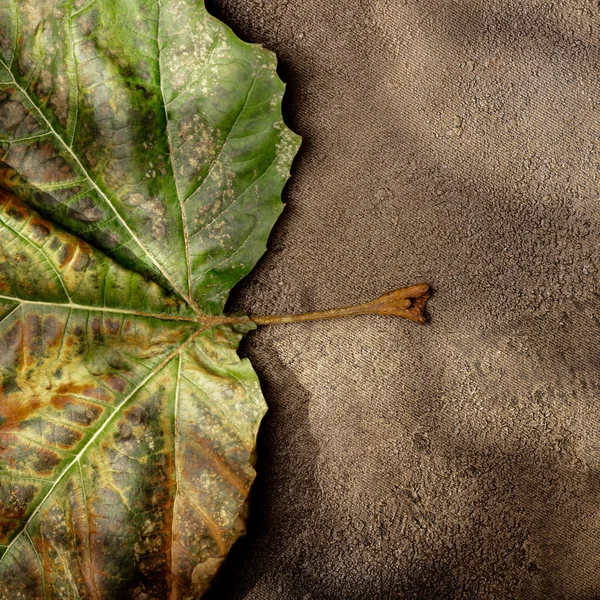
<point>16,213</point>
<point>113,326</point>
<point>52,332</point>
<point>33,336</point>
<point>63,399</point>
<point>7,526</point>
<point>40,230</point>
<point>136,415</point>
<point>64,388</point>
<point>81,261</point>
<point>220,336</point>
<point>15,413</point>
<point>116,383</point>
<point>99,394</point>
<point>45,461</point>
<point>63,436</point>
<point>66,253</point>
<point>96,326</point>
<point>82,413</point>
<point>74,388</point>
<point>59,401</point>
<point>13,207</point>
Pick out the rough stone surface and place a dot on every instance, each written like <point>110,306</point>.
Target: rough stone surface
<point>457,143</point>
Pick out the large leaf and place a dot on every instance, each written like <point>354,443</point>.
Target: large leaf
<point>143,156</point>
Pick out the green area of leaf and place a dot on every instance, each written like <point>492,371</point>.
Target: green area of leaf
<point>142,158</point>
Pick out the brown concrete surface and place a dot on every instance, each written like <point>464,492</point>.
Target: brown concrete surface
<point>455,142</point>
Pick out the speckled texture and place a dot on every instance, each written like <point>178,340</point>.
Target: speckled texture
<point>457,143</point>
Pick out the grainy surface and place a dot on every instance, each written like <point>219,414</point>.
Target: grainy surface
<point>457,143</point>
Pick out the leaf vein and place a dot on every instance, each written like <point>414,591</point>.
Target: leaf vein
<point>100,429</point>
<point>124,311</point>
<point>234,201</point>
<point>40,251</point>
<point>40,564</point>
<point>172,160</point>
<point>217,157</point>
<point>104,196</point>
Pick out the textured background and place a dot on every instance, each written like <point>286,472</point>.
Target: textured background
<point>457,143</point>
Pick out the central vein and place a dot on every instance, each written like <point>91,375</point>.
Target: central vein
<point>186,240</point>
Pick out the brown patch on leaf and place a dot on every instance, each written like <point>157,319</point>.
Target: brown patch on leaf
<point>44,461</point>
<point>113,326</point>
<point>85,211</point>
<point>14,413</point>
<point>116,383</point>
<point>7,526</point>
<point>15,498</point>
<point>43,163</point>
<point>66,253</point>
<point>96,327</point>
<point>82,260</point>
<point>16,119</point>
<point>52,332</point>
<point>59,99</point>
<point>33,337</point>
<point>15,210</point>
<point>43,86</point>
<point>40,230</point>
<point>63,436</point>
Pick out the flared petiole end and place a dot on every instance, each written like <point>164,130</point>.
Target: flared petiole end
<point>408,303</point>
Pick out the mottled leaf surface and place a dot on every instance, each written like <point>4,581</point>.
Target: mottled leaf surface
<point>142,158</point>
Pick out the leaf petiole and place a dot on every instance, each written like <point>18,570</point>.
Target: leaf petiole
<point>408,303</point>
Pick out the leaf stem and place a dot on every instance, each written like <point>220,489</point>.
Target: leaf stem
<point>408,303</point>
